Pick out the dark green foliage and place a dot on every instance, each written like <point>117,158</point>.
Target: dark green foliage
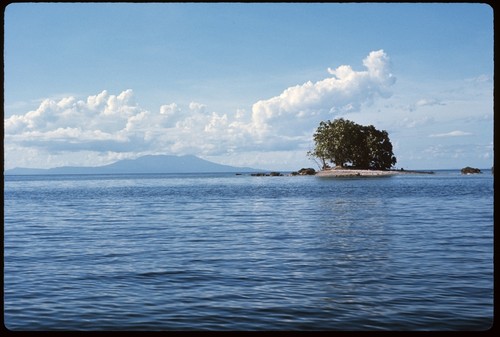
<point>343,142</point>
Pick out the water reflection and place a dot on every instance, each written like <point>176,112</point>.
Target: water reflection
<point>356,254</point>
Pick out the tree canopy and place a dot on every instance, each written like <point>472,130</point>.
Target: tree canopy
<point>344,142</point>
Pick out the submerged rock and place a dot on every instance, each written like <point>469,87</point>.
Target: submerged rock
<point>470,170</point>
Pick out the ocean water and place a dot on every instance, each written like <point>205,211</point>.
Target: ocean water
<point>235,252</point>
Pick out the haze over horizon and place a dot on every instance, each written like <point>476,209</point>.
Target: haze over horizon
<point>148,164</point>
<point>88,84</point>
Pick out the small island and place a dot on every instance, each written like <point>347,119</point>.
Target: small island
<point>346,149</point>
<point>471,170</point>
<point>349,172</point>
<point>354,150</point>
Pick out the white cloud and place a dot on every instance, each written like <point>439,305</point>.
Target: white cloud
<point>304,106</point>
<point>412,122</point>
<point>169,109</point>
<point>456,133</point>
<point>197,107</point>
<point>422,103</point>
<point>115,126</point>
<point>428,102</point>
<point>75,124</point>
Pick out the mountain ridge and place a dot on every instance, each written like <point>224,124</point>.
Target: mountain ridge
<point>146,164</point>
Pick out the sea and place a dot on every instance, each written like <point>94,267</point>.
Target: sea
<point>229,252</point>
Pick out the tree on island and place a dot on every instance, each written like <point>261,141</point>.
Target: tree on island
<point>343,142</point>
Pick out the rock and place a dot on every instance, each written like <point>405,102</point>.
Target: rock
<point>272,174</point>
<point>470,170</point>
<point>304,172</point>
<point>307,172</point>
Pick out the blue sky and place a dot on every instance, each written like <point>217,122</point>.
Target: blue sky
<point>245,84</point>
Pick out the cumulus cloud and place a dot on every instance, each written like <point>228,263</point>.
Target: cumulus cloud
<point>107,122</point>
<point>169,109</point>
<point>346,91</point>
<point>116,126</point>
<point>197,107</point>
<point>100,117</point>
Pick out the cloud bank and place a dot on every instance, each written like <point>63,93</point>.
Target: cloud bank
<point>107,124</point>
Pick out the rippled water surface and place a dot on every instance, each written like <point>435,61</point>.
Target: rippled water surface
<point>227,252</point>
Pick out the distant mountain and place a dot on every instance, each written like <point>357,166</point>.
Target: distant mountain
<point>145,164</point>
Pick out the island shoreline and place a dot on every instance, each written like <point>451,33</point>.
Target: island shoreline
<point>337,172</point>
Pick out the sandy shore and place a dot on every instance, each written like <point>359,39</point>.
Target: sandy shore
<point>364,173</point>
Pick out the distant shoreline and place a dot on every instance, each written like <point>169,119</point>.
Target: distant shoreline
<point>365,173</point>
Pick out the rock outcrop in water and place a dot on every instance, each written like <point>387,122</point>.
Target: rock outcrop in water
<point>301,172</point>
<point>470,170</point>
<point>272,174</point>
<point>304,172</point>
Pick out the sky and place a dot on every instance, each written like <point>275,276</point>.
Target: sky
<point>87,84</point>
